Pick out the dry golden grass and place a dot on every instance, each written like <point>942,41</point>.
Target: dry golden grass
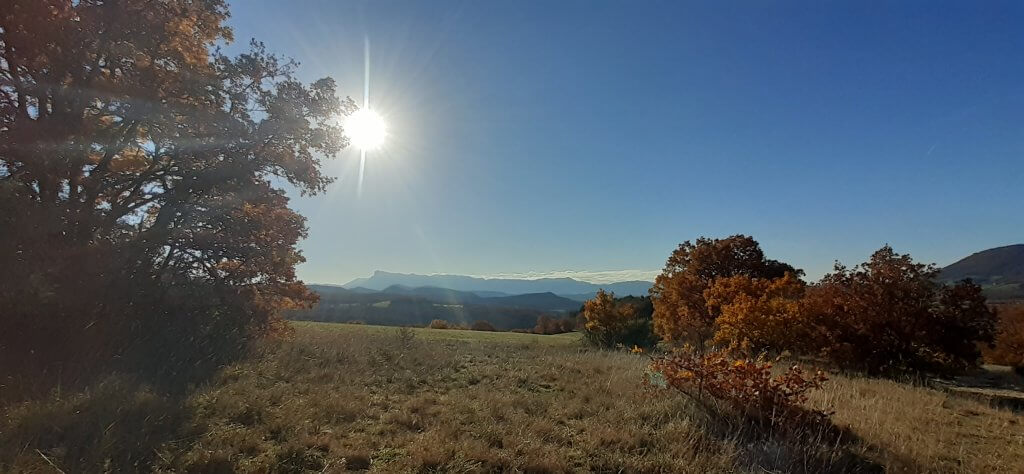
<point>347,397</point>
<point>915,429</point>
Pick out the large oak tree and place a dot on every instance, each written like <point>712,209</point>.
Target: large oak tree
<point>142,215</point>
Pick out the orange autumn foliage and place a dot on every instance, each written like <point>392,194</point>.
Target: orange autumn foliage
<point>610,322</point>
<point>887,315</point>
<point>439,324</point>
<point>1008,348</point>
<point>602,312</point>
<point>681,311</point>
<point>154,235</point>
<point>765,314</point>
<point>746,386</point>
<point>890,315</point>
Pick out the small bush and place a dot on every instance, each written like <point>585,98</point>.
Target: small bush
<point>611,322</point>
<point>744,386</point>
<point>548,325</point>
<point>405,336</point>
<point>482,326</point>
<point>439,324</point>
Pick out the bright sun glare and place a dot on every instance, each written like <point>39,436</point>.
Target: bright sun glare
<point>366,129</point>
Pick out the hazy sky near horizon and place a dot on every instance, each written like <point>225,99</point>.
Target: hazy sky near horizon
<point>530,137</point>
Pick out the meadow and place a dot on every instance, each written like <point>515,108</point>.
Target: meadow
<point>339,397</point>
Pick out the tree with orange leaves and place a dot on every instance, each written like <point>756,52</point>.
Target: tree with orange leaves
<point>141,215</point>
<point>1008,348</point>
<point>610,321</point>
<point>764,314</point>
<point>681,310</point>
<point>890,315</point>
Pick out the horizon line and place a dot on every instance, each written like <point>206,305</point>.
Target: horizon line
<point>596,277</point>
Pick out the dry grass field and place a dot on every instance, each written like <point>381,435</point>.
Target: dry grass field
<point>349,397</point>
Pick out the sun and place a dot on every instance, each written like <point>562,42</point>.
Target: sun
<point>365,129</point>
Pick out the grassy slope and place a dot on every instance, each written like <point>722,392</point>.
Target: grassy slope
<point>427,334</point>
<point>463,401</point>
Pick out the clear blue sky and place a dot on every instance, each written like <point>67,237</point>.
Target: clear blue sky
<point>533,136</point>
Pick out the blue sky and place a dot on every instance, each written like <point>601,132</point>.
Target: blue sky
<point>535,137</point>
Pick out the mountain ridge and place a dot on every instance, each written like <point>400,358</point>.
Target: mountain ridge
<point>999,270</point>
<point>562,286</point>
<point>402,305</point>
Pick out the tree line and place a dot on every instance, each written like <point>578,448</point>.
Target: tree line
<point>887,315</point>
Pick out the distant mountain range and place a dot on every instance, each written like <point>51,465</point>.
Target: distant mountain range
<point>1000,271</point>
<point>408,299</point>
<point>490,287</point>
<point>539,301</point>
<point>403,305</point>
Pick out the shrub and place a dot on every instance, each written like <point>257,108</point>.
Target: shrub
<point>1008,348</point>
<point>548,325</point>
<point>439,324</point>
<point>744,386</point>
<point>482,326</point>
<point>886,316</point>
<point>405,336</point>
<point>889,315</point>
<point>610,322</point>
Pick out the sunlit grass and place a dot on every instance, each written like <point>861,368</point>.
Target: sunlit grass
<point>567,339</point>
<point>344,396</point>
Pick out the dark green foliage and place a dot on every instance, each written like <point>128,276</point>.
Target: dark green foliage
<point>637,332</point>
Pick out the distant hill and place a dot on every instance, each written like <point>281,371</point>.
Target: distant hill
<point>403,305</point>
<point>586,296</point>
<point>439,295</point>
<point>540,301</point>
<point>491,294</point>
<point>381,280</point>
<point>999,270</point>
<point>360,289</point>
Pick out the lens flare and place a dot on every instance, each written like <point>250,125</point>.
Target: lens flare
<point>365,129</point>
